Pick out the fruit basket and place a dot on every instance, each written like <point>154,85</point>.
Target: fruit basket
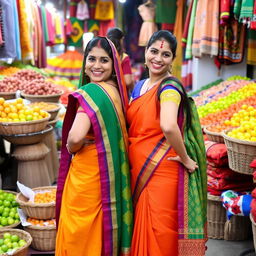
<point>14,219</point>
<point>214,136</point>
<point>37,210</point>
<point>28,138</point>
<point>23,235</point>
<point>14,128</point>
<point>8,95</point>
<point>45,98</point>
<point>240,154</point>
<point>44,237</point>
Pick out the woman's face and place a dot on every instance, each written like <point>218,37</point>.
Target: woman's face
<point>98,65</point>
<point>159,57</point>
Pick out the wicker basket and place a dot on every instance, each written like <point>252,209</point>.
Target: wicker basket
<point>238,228</point>
<point>22,251</point>
<point>29,138</point>
<point>36,210</point>
<point>240,154</point>
<point>14,128</point>
<point>214,136</point>
<point>43,237</point>
<point>54,112</point>
<point>45,98</point>
<point>16,223</point>
<point>216,217</point>
<point>8,95</point>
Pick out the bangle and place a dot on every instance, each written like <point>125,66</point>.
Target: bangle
<point>68,149</point>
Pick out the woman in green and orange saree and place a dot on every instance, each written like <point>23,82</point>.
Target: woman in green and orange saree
<point>167,158</point>
<point>93,204</point>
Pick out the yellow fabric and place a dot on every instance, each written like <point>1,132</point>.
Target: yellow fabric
<point>104,10</point>
<point>170,95</point>
<point>80,224</point>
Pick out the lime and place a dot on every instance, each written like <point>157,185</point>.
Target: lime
<point>4,222</point>
<point>15,238</point>
<point>1,242</point>
<point>7,235</point>
<point>4,248</point>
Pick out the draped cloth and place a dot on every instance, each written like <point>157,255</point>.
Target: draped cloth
<point>170,204</point>
<point>107,214</point>
<point>206,31</point>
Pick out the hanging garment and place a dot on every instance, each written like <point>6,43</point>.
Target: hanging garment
<point>105,25</point>
<point>17,30</point>
<point>148,26</point>
<point>231,43</point>
<point>104,10</point>
<point>225,7</point>
<point>206,30</point>
<point>1,27</point>
<point>75,39</point>
<point>246,12</point>
<point>251,55</point>
<point>82,12</point>
<point>9,49</point>
<point>237,8</point>
<point>92,7</point>
<point>166,11</point>
<point>253,21</point>
<point>93,26</point>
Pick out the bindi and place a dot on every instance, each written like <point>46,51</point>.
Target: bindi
<point>162,44</point>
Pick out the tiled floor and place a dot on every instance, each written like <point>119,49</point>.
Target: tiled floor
<point>229,248</point>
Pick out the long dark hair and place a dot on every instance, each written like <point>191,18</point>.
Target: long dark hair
<point>115,35</point>
<point>171,39</point>
<point>96,42</point>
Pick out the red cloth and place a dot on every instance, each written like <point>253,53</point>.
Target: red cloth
<point>254,193</point>
<point>253,21</point>
<point>126,65</point>
<point>216,154</point>
<point>253,209</point>
<point>224,11</point>
<point>253,164</point>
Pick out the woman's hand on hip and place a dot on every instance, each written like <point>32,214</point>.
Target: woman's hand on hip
<point>189,164</point>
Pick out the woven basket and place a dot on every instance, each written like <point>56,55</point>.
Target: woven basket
<point>14,128</point>
<point>240,154</point>
<point>214,136</point>
<point>45,98</point>
<point>43,237</point>
<point>8,95</point>
<point>238,228</point>
<point>22,251</point>
<point>54,112</point>
<point>36,210</point>
<point>29,138</point>
<point>216,217</point>
<point>16,223</point>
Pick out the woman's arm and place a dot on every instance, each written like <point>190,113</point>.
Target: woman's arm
<point>78,131</point>
<point>170,128</point>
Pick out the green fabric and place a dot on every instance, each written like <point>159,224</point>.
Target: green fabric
<point>188,52</point>
<point>197,187</point>
<point>44,23</point>
<point>166,11</point>
<point>76,37</point>
<point>237,8</point>
<point>246,9</point>
<point>109,120</point>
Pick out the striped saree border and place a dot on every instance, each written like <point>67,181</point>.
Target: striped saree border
<point>150,165</point>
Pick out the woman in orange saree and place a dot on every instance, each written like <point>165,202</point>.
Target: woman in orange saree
<point>93,203</point>
<point>167,157</point>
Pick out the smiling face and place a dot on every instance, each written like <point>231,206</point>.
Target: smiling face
<point>159,58</point>
<point>99,65</point>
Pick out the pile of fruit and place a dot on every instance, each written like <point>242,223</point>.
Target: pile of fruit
<point>10,243</point>
<point>45,197</point>
<point>44,105</point>
<point>36,222</point>
<point>17,111</point>
<point>8,209</point>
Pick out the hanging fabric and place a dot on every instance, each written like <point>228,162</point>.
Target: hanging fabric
<point>166,11</point>
<point>16,30</point>
<point>251,56</point>
<point>105,25</point>
<point>9,49</point>
<point>206,30</point>
<point>1,27</point>
<point>104,10</point>
<point>76,36</point>
<point>93,26</point>
<point>237,8</point>
<point>253,22</point>
<point>82,12</point>
<point>225,7</point>
<point>231,43</point>
<point>148,27</point>
<point>246,12</point>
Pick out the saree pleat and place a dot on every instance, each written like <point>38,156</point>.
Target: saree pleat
<point>81,215</point>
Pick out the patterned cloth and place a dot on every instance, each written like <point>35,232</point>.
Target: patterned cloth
<point>236,203</point>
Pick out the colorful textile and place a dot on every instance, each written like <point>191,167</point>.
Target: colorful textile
<point>104,10</point>
<point>108,124</point>
<point>82,12</point>
<point>231,42</point>
<point>126,65</point>
<point>170,95</point>
<point>225,7</point>
<point>216,154</point>
<point>236,203</point>
<point>148,153</point>
<point>76,37</point>
<point>165,11</point>
<point>246,12</point>
<point>206,30</point>
<point>253,21</point>
<point>253,209</point>
<point>251,56</point>
<point>237,8</point>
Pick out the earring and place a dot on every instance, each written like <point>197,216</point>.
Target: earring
<point>170,70</point>
<point>145,65</point>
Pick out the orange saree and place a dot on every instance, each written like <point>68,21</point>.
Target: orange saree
<point>156,216</point>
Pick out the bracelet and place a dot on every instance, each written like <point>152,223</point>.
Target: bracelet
<point>68,149</point>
